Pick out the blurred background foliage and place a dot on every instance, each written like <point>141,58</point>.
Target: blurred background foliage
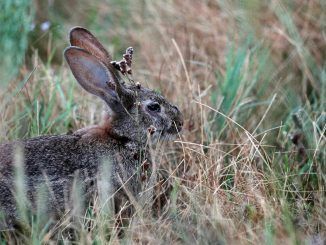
<point>16,23</point>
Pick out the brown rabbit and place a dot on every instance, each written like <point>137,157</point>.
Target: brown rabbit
<point>134,113</point>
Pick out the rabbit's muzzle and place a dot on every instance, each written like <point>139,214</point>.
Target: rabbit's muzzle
<point>177,123</point>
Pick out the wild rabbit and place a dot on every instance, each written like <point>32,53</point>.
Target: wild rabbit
<point>134,114</point>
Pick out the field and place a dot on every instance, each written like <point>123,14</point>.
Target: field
<point>249,166</point>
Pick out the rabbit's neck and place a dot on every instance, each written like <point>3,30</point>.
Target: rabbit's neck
<point>110,129</point>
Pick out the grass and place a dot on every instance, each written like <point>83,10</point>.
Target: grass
<point>15,21</point>
<point>250,79</point>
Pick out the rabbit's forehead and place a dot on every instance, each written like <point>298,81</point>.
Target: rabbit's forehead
<point>151,95</point>
<point>145,94</point>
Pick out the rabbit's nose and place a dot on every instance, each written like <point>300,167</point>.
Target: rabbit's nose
<point>179,125</point>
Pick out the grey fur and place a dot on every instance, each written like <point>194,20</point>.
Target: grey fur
<point>121,140</point>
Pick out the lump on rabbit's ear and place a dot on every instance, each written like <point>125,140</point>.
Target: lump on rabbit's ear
<point>124,65</point>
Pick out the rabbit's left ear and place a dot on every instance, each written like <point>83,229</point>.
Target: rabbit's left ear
<point>81,37</point>
<point>95,77</point>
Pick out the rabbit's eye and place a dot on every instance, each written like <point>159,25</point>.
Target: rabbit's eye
<point>154,107</point>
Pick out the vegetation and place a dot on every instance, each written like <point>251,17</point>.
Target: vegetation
<point>250,78</point>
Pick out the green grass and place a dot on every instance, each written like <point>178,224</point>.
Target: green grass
<point>251,81</point>
<point>16,19</point>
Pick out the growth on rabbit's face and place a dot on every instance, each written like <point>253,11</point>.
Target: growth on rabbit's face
<point>135,112</point>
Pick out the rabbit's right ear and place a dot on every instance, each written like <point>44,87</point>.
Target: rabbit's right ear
<point>95,77</point>
<point>81,37</point>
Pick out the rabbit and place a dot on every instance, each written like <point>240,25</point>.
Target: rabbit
<point>134,116</point>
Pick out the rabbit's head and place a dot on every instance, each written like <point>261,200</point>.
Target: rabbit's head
<point>135,111</point>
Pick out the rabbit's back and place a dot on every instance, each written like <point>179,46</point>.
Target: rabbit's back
<point>57,161</point>
<point>62,155</point>
<point>54,156</point>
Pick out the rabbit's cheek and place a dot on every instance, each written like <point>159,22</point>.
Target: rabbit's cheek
<point>162,121</point>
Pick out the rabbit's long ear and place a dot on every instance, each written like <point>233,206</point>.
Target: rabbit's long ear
<point>95,77</point>
<point>83,38</point>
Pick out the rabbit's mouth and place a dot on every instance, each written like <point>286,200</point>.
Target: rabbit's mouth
<point>172,132</point>
<point>175,128</point>
<point>163,135</point>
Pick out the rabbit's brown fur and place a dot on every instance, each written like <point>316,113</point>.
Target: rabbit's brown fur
<point>121,140</point>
